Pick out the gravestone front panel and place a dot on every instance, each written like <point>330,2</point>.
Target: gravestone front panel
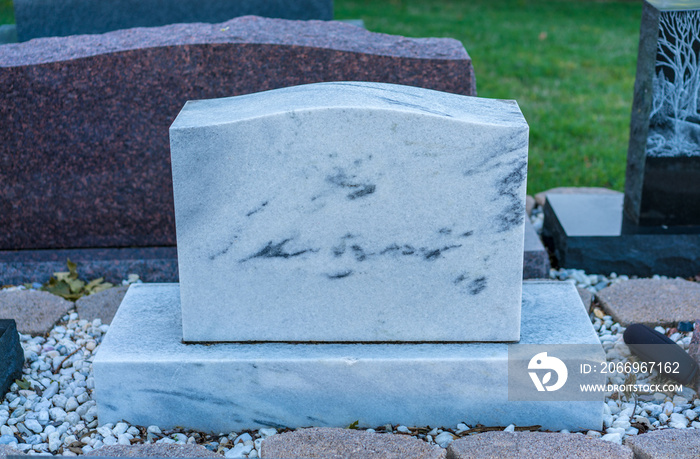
<point>84,155</point>
<point>350,212</point>
<point>663,161</point>
<point>48,18</point>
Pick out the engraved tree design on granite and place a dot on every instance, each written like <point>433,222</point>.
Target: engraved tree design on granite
<point>674,128</point>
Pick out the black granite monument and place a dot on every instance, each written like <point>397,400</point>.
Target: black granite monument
<point>663,159</point>
<point>655,228</point>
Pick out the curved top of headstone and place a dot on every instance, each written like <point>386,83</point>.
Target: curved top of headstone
<point>243,30</point>
<point>350,95</point>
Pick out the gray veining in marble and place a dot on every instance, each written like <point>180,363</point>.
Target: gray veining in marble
<point>145,375</point>
<point>350,212</point>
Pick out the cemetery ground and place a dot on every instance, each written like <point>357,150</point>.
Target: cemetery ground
<point>51,410</point>
<point>569,64</point>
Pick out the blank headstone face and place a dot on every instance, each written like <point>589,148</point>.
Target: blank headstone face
<point>663,177</point>
<point>350,212</point>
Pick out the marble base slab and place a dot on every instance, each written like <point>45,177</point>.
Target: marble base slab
<point>145,375</point>
<point>589,232</point>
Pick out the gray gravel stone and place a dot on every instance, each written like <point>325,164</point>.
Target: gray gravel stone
<point>153,450</point>
<point>667,443</point>
<point>333,443</point>
<point>652,301</point>
<point>540,197</point>
<point>534,445</point>
<point>102,305</point>
<point>35,312</point>
<point>9,451</point>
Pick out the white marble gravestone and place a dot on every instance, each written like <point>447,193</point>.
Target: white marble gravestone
<point>384,220</point>
<point>346,211</point>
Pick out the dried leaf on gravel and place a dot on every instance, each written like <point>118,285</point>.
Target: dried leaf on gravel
<point>66,284</point>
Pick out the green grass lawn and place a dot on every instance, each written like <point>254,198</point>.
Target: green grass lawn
<point>570,64</point>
